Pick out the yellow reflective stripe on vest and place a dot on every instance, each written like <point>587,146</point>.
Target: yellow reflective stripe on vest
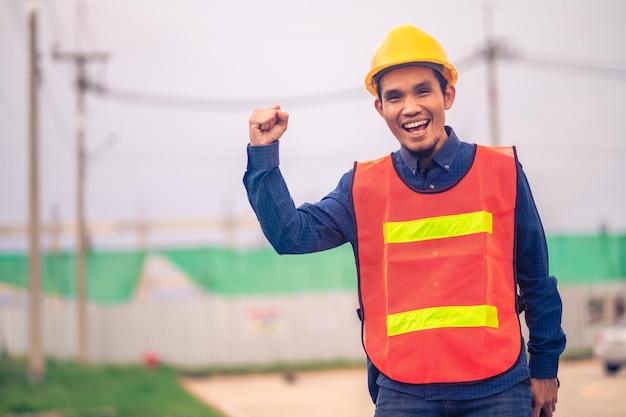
<point>442,317</point>
<point>438,227</point>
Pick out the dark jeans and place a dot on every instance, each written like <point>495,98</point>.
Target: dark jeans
<point>514,402</point>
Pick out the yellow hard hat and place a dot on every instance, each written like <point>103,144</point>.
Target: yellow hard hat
<point>405,44</point>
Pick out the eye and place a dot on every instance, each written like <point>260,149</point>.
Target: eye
<point>423,92</point>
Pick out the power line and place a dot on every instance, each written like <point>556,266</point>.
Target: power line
<point>50,99</point>
<point>57,27</point>
<point>59,36</point>
<point>491,52</point>
<point>573,65</point>
<point>469,62</point>
<point>62,128</point>
<point>499,50</point>
<point>503,52</point>
<point>227,105</point>
<point>17,18</point>
<point>11,110</point>
<point>334,97</point>
<point>90,27</point>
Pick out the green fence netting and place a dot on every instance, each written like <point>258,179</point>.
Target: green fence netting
<point>113,276</point>
<point>578,259</point>
<point>262,271</point>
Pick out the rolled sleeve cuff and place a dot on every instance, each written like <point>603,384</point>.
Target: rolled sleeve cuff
<point>263,157</point>
<point>543,367</point>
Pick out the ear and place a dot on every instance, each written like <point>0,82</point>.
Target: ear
<point>448,97</point>
<point>379,106</point>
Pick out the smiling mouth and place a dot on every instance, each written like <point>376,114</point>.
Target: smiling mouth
<point>415,126</point>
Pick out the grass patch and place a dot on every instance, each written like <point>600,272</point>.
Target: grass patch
<point>70,389</point>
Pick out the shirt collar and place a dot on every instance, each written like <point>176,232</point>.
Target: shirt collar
<point>443,157</point>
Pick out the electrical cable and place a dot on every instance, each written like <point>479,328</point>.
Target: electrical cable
<point>90,28</point>
<point>469,62</point>
<point>573,65</point>
<point>53,17</point>
<point>12,112</point>
<point>312,100</point>
<point>58,34</point>
<point>228,105</point>
<point>59,123</point>
<point>302,101</point>
<point>20,24</point>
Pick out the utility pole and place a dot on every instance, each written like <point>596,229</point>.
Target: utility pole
<point>36,363</point>
<point>491,54</point>
<point>80,60</point>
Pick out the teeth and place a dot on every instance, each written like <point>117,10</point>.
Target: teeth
<point>415,124</point>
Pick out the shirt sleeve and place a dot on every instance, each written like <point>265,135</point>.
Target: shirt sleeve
<point>311,227</point>
<point>538,289</point>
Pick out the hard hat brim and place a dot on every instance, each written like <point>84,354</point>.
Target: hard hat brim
<point>371,80</point>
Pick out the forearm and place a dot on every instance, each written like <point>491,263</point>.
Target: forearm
<point>543,306</point>
<point>543,318</point>
<point>290,230</point>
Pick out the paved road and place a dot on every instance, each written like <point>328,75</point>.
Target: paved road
<point>585,392</point>
<point>341,393</point>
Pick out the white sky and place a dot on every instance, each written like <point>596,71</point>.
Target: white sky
<point>166,162</point>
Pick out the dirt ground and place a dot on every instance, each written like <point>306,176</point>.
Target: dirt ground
<point>312,394</point>
<point>585,391</point>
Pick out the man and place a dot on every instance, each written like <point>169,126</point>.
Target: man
<point>445,233</point>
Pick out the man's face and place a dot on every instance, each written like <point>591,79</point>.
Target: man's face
<point>413,105</point>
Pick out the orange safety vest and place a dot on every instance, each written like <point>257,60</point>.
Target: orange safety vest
<point>436,271</point>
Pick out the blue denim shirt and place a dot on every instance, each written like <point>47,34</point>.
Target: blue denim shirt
<point>329,223</point>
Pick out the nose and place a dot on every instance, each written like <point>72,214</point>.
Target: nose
<point>412,105</point>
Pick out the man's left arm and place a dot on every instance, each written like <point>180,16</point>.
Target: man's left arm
<point>543,306</point>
